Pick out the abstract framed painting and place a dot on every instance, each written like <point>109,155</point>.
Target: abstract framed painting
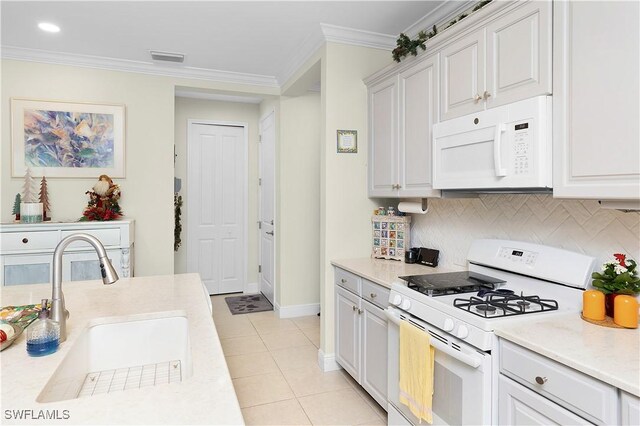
<point>67,139</point>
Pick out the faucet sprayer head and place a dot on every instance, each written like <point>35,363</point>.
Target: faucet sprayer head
<point>109,274</point>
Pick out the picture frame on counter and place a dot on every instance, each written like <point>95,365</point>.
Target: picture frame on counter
<point>67,139</point>
<point>347,141</point>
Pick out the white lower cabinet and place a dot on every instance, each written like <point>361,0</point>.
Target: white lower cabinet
<point>629,409</point>
<point>521,406</point>
<point>361,332</point>
<point>535,390</point>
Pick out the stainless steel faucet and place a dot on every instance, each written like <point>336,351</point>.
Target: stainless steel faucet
<point>109,276</point>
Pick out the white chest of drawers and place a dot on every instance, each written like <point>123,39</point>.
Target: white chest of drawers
<point>26,250</point>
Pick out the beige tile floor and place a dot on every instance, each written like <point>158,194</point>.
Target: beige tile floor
<point>274,366</point>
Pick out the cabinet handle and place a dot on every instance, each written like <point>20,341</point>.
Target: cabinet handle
<point>343,281</point>
<point>359,311</point>
<point>373,295</point>
<point>541,380</point>
<point>354,308</point>
<point>25,240</point>
<point>477,98</point>
<point>486,95</point>
<point>269,233</point>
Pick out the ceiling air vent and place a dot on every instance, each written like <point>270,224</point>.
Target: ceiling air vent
<point>166,56</point>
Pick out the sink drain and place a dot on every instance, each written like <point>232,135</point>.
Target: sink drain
<point>108,381</point>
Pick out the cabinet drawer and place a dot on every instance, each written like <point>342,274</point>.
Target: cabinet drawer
<point>347,280</point>
<point>16,241</point>
<point>375,294</point>
<point>588,397</point>
<point>108,237</point>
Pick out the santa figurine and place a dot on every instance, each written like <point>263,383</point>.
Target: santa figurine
<point>103,202</point>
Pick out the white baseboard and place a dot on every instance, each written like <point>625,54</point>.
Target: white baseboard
<point>298,310</point>
<point>327,362</point>
<point>251,288</point>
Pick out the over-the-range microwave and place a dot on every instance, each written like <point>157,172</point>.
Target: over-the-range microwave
<point>507,148</point>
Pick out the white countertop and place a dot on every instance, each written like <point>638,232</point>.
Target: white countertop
<point>384,272</point>
<point>207,397</point>
<point>608,354</point>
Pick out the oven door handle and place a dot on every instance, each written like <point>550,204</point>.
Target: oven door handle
<point>470,360</point>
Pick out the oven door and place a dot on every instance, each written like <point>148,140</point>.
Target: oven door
<point>462,376</point>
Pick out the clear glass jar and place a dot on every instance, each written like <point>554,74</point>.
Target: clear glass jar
<point>43,336</point>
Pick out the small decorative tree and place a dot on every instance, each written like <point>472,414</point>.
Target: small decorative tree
<point>44,199</point>
<point>28,191</point>
<point>16,207</point>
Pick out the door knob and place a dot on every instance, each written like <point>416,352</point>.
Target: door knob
<point>486,95</point>
<point>270,233</point>
<point>477,98</point>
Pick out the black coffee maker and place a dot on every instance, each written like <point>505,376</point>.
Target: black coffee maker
<point>423,256</point>
<point>411,255</point>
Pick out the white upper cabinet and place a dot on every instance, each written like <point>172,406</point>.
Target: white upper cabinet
<point>418,89</point>
<point>383,134</point>
<point>519,54</point>
<point>463,76</point>
<point>507,60</point>
<point>595,104</point>
<point>402,111</point>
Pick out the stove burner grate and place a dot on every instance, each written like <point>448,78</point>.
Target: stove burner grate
<point>503,305</point>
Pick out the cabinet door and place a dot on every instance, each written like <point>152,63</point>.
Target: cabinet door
<point>85,266</point>
<point>383,135</point>
<point>462,77</point>
<point>348,332</point>
<point>518,405</point>
<point>519,54</point>
<point>25,269</point>
<point>374,352</point>
<point>418,112</point>
<point>629,409</point>
<point>595,101</point>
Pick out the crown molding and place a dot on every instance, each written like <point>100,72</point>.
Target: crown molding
<point>303,53</point>
<point>217,97</point>
<point>113,64</point>
<point>437,15</point>
<point>344,35</point>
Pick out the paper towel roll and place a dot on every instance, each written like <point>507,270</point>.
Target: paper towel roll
<point>414,206</point>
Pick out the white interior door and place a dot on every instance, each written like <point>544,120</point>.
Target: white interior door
<point>267,204</point>
<point>216,206</point>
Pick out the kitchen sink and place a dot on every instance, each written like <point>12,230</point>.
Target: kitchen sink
<point>121,353</point>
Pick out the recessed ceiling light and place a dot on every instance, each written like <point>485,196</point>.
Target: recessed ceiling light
<point>48,27</point>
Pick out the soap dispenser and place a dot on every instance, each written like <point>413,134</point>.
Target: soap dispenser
<point>43,336</point>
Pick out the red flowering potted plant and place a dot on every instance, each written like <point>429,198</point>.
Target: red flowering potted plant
<point>618,276</point>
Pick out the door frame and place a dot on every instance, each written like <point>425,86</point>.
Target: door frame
<point>245,186</point>
<point>271,111</point>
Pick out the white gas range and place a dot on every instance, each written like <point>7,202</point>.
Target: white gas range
<point>506,281</point>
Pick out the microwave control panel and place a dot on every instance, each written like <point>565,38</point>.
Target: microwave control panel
<point>522,149</point>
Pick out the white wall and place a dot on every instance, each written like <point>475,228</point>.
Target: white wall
<point>189,108</point>
<point>148,187</point>
<point>299,201</point>
<point>578,225</point>
<point>345,208</point>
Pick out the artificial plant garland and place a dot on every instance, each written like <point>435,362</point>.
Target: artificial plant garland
<point>406,46</point>
<point>177,229</point>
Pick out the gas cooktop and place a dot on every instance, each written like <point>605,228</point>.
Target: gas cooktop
<point>451,283</point>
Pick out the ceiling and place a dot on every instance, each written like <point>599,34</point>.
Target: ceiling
<point>257,38</point>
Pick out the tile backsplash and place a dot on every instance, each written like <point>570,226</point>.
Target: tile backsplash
<point>578,225</point>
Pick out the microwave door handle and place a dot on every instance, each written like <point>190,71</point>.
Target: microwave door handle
<point>497,151</point>
<point>471,361</point>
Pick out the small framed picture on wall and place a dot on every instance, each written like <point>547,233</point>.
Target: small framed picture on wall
<point>347,141</point>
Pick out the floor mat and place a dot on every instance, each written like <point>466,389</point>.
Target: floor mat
<point>248,303</point>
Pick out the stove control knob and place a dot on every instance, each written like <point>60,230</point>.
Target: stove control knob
<point>405,305</point>
<point>448,324</point>
<point>396,300</point>
<point>463,332</point>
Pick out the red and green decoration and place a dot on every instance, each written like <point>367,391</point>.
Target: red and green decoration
<point>103,201</point>
<point>618,276</point>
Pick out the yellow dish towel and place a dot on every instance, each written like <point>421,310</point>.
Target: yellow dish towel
<point>416,371</point>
